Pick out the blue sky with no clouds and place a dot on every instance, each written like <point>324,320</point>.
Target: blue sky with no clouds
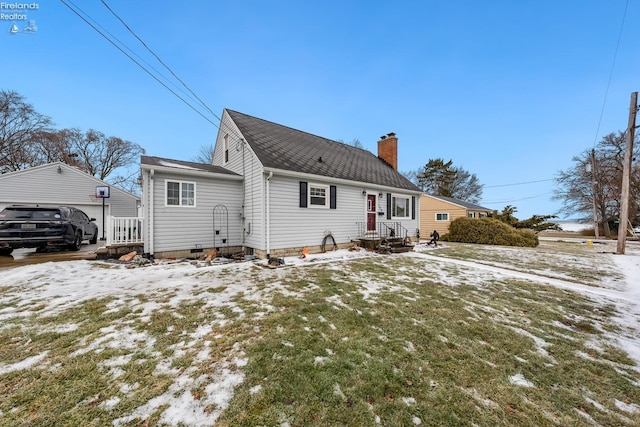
<point>509,90</point>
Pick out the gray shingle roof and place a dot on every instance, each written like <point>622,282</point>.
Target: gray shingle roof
<point>182,165</point>
<point>281,147</point>
<point>462,203</point>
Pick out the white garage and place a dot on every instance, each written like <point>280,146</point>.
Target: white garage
<point>59,184</point>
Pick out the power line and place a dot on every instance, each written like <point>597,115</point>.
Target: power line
<point>231,131</point>
<point>132,59</point>
<point>613,63</point>
<point>158,58</point>
<point>517,183</point>
<point>124,45</point>
<point>496,202</point>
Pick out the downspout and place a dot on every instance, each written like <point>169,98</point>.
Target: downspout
<point>244,197</point>
<point>150,216</point>
<point>268,218</point>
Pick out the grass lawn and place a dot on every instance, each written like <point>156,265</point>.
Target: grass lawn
<point>392,340</point>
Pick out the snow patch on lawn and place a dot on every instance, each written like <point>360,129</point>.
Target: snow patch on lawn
<point>520,380</point>
<point>23,364</point>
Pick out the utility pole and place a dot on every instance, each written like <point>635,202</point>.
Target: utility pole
<point>593,190</point>
<point>626,174</point>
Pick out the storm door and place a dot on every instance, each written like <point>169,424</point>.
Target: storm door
<point>371,212</point>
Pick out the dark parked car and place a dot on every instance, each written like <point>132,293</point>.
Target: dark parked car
<point>44,227</point>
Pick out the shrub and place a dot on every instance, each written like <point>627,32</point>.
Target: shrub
<point>588,231</point>
<point>489,231</point>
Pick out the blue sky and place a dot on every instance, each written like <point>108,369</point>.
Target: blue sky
<point>509,90</point>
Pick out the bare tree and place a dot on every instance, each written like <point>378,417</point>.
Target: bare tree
<point>466,186</point>
<point>205,155</point>
<point>412,176</point>
<point>354,142</point>
<point>19,126</point>
<point>27,139</point>
<point>596,177</point>
<point>97,154</point>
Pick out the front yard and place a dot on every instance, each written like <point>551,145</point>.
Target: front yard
<point>462,335</point>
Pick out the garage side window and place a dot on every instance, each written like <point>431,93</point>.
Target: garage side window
<point>442,216</point>
<point>180,193</point>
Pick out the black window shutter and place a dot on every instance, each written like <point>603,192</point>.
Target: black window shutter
<point>388,205</point>
<point>332,197</point>
<point>413,207</point>
<point>303,194</point>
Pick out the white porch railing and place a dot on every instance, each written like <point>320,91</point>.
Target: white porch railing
<point>124,230</point>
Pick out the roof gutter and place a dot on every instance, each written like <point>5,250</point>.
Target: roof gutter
<point>192,172</point>
<point>312,177</point>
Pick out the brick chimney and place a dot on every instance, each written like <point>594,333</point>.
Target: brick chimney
<point>388,149</point>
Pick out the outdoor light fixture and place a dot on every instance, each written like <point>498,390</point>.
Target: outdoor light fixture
<point>59,169</point>
<point>364,192</point>
<point>380,195</point>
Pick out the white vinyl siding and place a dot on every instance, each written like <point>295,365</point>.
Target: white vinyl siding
<point>292,227</point>
<point>241,160</point>
<point>180,229</point>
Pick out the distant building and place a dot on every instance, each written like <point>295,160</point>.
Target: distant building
<point>437,212</point>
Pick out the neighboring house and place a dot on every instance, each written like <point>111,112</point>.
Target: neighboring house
<point>272,191</point>
<point>59,184</point>
<point>437,212</point>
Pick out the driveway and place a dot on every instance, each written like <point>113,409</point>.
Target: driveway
<point>29,256</point>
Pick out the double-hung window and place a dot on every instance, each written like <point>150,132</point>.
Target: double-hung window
<point>400,207</point>
<point>180,193</point>
<point>318,195</point>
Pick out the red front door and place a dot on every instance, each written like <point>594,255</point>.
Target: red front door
<point>371,212</point>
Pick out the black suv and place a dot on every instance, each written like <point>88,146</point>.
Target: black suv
<point>44,227</point>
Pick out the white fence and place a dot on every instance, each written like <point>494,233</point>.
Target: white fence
<point>124,230</point>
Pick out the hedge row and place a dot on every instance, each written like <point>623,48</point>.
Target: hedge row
<point>489,231</point>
